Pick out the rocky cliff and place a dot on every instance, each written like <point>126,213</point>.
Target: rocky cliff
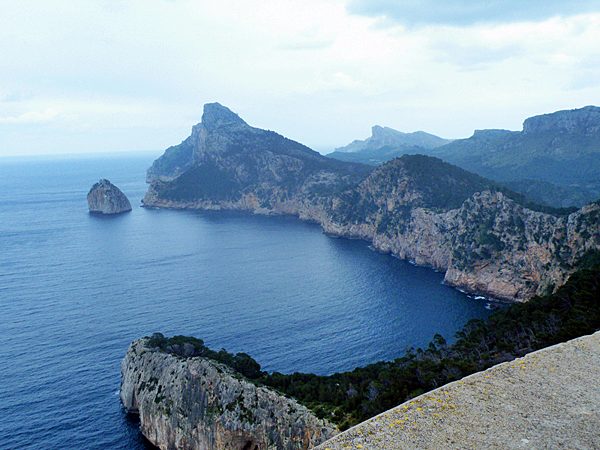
<point>416,207</point>
<point>105,198</point>
<point>227,164</point>
<point>583,121</point>
<point>435,214</point>
<point>192,402</point>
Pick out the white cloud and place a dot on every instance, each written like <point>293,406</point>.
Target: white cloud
<point>468,12</point>
<point>117,75</point>
<point>30,117</point>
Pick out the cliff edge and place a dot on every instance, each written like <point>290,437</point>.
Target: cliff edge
<point>547,399</point>
<point>192,402</point>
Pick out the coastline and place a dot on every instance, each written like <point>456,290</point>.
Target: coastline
<point>371,241</point>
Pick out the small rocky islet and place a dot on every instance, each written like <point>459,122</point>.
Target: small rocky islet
<point>107,199</point>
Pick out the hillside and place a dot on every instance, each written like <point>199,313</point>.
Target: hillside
<point>554,160</point>
<point>485,238</point>
<point>562,148</point>
<point>545,193</point>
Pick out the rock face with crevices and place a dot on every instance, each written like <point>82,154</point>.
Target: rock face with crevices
<point>547,399</point>
<point>105,198</point>
<point>197,403</point>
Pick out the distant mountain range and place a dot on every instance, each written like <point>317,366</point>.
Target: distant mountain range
<point>382,137</point>
<point>554,160</point>
<point>486,238</point>
<point>386,143</point>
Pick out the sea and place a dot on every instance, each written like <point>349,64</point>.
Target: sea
<point>76,289</point>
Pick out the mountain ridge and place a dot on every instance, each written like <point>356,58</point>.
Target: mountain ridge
<point>484,237</point>
<point>539,151</point>
<point>386,136</point>
<point>559,150</point>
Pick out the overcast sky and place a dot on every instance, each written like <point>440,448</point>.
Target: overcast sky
<point>116,75</point>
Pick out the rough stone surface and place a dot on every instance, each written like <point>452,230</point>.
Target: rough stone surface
<point>105,198</point>
<point>197,403</point>
<point>547,399</point>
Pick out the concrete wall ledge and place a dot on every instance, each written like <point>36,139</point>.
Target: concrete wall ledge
<point>547,399</point>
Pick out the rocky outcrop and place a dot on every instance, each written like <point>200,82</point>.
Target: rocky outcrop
<point>225,160</point>
<point>547,399</point>
<point>415,207</point>
<point>192,402</point>
<point>105,198</point>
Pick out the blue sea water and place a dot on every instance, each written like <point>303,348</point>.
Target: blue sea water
<point>76,289</point>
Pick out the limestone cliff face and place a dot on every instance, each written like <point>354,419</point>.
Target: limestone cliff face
<point>226,163</point>
<point>197,403</point>
<point>415,207</point>
<point>490,244</point>
<point>509,251</point>
<point>105,198</point>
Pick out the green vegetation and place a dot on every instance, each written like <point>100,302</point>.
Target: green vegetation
<point>380,155</point>
<point>443,185</point>
<point>554,162</point>
<point>350,397</point>
<point>545,193</point>
<point>203,182</point>
<point>413,181</point>
<point>188,346</point>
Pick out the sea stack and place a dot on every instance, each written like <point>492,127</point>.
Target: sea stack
<point>105,198</point>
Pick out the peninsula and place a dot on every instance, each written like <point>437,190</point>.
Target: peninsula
<point>484,237</point>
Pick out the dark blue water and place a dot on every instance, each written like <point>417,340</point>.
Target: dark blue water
<point>76,289</point>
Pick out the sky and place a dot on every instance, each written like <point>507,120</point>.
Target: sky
<point>117,75</point>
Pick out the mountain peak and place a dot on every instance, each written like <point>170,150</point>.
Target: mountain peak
<point>216,115</point>
<point>379,131</point>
